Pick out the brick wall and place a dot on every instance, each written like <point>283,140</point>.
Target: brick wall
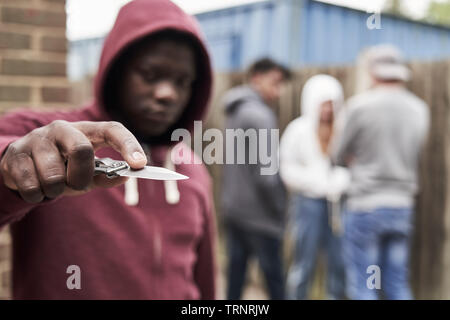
<point>32,72</point>
<point>33,54</point>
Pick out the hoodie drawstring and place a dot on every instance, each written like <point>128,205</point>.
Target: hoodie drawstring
<point>131,192</point>
<point>170,187</point>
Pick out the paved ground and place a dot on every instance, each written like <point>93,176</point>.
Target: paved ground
<point>255,289</point>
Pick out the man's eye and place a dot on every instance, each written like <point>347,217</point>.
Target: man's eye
<point>184,82</point>
<point>148,76</point>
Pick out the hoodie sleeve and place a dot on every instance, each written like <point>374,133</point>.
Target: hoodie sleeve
<point>205,268</point>
<point>297,176</point>
<point>302,178</point>
<point>12,127</point>
<point>343,146</point>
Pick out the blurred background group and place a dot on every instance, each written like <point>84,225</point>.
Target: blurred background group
<point>49,53</point>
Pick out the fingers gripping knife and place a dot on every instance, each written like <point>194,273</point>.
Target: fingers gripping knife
<point>114,168</point>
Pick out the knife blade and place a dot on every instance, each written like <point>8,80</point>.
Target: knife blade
<point>113,168</point>
<point>151,172</point>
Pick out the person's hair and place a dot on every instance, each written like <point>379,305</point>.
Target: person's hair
<point>265,65</point>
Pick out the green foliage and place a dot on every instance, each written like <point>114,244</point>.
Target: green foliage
<point>439,12</point>
<point>393,7</point>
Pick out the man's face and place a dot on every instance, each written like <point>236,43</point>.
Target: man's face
<point>156,87</point>
<point>326,112</point>
<point>269,84</point>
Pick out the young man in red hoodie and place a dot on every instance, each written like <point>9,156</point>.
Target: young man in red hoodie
<point>145,239</point>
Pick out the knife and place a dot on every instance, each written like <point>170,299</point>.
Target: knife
<point>113,168</point>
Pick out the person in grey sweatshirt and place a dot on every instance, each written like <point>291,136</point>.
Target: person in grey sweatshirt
<point>253,197</point>
<point>384,131</point>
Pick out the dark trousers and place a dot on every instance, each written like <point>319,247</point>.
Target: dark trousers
<point>242,244</point>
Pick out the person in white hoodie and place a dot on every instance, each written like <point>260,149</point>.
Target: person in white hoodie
<point>315,186</point>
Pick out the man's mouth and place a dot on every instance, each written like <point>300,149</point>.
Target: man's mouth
<point>156,118</point>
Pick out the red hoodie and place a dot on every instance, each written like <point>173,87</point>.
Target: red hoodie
<point>160,248</point>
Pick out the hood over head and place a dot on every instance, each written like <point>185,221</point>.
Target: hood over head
<point>317,90</point>
<point>140,19</point>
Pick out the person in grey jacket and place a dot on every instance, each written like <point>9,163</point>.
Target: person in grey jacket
<point>253,196</point>
<point>384,132</point>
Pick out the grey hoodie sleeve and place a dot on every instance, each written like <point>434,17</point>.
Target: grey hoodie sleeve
<point>265,176</point>
<point>343,146</point>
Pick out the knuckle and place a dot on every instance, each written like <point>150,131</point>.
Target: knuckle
<point>129,141</point>
<point>53,161</point>
<point>54,170</point>
<point>58,124</point>
<point>39,138</point>
<point>55,127</point>
<point>25,173</point>
<point>54,180</point>
<point>13,149</point>
<point>114,125</point>
<point>16,159</point>
<point>53,185</point>
<point>10,153</point>
<point>38,132</point>
<point>12,163</point>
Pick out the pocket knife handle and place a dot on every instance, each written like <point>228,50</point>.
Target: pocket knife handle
<point>109,166</point>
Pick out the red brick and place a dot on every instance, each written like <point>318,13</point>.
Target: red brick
<point>15,94</point>
<point>55,94</point>
<point>55,44</point>
<point>32,68</point>
<point>5,252</point>
<point>6,280</point>
<point>34,17</point>
<point>10,40</point>
<point>15,1</point>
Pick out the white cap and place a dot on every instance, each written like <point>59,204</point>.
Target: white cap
<point>386,62</point>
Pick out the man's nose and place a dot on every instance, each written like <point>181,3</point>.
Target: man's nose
<point>165,91</point>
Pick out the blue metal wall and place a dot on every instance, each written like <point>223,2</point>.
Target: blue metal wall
<point>238,35</point>
<point>332,34</point>
<point>306,32</point>
<point>83,57</point>
<point>295,32</point>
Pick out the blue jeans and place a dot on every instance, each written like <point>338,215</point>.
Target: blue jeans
<point>312,233</point>
<point>241,245</point>
<point>378,238</point>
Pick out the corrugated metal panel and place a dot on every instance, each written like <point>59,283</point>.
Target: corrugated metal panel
<point>228,32</point>
<point>295,32</point>
<point>306,32</point>
<point>340,33</point>
<point>249,31</point>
